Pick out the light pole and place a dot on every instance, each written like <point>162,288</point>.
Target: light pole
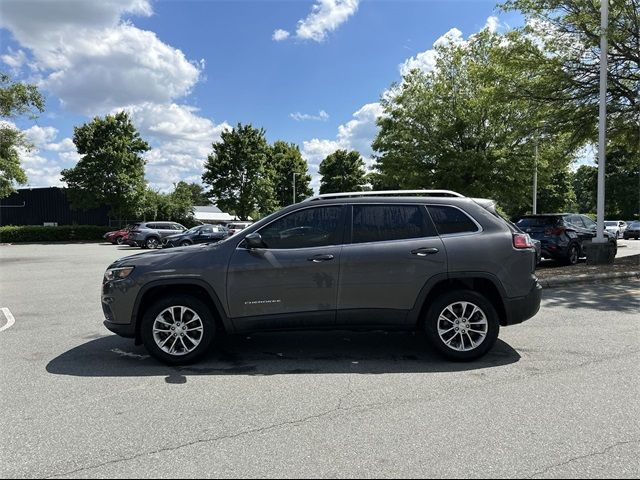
<point>535,179</point>
<point>294,187</point>
<point>604,23</point>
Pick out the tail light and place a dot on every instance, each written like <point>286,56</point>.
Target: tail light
<point>555,231</point>
<point>522,241</point>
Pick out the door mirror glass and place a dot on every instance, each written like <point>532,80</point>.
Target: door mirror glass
<point>254,240</point>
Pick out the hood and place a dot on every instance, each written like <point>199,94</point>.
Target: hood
<point>163,258</point>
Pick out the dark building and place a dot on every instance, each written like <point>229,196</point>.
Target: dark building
<point>37,206</point>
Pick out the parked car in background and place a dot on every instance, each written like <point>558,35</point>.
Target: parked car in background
<point>150,234</point>
<point>612,227</point>
<point>118,236</point>
<point>564,236</point>
<point>632,231</point>
<point>616,227</point>
<point>235,227</point>
<point>199,234</point>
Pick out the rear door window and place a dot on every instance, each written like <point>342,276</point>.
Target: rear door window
<point>380,223</point>
<point>451,220</point>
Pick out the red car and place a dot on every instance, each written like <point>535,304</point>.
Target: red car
<point>117,236</point>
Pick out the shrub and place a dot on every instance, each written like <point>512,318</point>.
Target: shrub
<point>37,233</point>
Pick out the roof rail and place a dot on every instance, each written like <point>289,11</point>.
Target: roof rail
<point>383,193</point>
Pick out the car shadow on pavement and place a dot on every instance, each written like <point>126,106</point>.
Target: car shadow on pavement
<point>614,297</point>
<point>276,354</point>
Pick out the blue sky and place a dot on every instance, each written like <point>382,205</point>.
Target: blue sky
<point>188,69</point>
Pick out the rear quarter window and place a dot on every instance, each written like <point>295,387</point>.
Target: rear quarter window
<point>451,220</point>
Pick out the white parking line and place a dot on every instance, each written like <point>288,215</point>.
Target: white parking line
<point>9,316</point>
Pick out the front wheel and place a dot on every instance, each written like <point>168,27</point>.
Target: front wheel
<point>572,255</point>
<point>462,325</point>
<point>185,243</point>
<point>178,330</point>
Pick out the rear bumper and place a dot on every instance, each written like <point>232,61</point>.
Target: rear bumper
<point>520,309</point>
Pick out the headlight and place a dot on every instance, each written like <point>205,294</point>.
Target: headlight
<point>118,273</point>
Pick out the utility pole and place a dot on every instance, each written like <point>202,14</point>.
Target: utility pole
<point>604,23</point>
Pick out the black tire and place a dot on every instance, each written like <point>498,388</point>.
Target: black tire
<point>432,321</point>
<point>119,240</point>
<point>152,242</point>
<point>573,254</point>
<point>193,303</point>
<point>185,243</point>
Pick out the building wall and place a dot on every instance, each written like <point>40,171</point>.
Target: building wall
<point>35,206</point>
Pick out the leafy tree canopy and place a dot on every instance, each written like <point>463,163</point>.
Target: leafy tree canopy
<point>285,160</point>
<point>342,171</point>
<point>111,170</point>
<point>239,174</point>
<point>16,99</point>
<point>461,127</point>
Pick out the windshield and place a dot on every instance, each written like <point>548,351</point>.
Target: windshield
<point>193,229</point>
<point>611,224</point>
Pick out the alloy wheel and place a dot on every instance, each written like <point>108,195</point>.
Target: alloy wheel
<point>178,330</point>
<point>462,326</point>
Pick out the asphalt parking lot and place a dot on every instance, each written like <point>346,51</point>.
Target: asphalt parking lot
<point>557,397</point>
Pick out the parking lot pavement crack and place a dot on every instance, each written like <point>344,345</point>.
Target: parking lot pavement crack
<point>201,441</point>
<point>581,457</point>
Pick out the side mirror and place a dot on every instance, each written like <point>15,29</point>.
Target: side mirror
<point>254,240</point>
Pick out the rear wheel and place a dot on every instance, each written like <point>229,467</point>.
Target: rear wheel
<point>462,325</point>
<point>178,330</point>
<point>119,240</point>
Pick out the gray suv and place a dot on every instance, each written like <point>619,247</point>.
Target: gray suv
<point>439,262</point>
<point>150,234</point>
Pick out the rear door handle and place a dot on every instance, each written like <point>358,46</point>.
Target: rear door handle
<point>320,258</point>
<point>423,252</point>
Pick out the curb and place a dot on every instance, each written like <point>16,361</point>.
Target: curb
<point>594,278</point>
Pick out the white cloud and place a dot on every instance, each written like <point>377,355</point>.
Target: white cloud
<point>96,62</point>
<point>15,60</point>
<point>47,158</point>
<point>301,117</point>
<point>426,61</point>
<point>325,17</point>
<point>279,35</point>
<point>357,134</point>
<point>180,141</point>
<point>92,59</point>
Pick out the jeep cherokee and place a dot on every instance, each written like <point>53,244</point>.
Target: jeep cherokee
<point>441,263</point>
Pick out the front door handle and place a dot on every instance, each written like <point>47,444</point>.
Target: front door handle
<point>423,252</point>
<point>320,258</point>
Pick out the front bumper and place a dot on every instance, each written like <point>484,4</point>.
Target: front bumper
<point>520,309</point>
<point>127,330</point>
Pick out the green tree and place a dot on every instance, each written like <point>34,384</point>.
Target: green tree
<point>238,173</point>
<point>585,182</point>
<point>461,127</point>
<point>286,160</point>
<point>199,195</point>
<point>342,171</point>
<point>16,99</point>
<point>111,170</point>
